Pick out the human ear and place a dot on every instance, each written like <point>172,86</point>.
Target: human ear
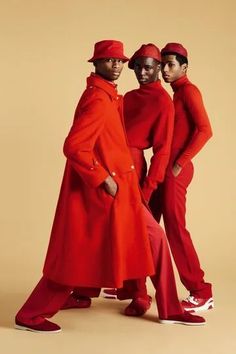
<point>185,67</point>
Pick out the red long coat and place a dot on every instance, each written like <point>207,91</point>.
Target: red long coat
<point>98,240</point>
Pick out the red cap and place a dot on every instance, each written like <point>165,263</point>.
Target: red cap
<point>146,50</point>
<point>175,48</point>
<point>108,49</point>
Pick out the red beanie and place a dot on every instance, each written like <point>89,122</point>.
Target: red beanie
<point>174,48</point>
<point>108,49</point>
<point>146,50</point>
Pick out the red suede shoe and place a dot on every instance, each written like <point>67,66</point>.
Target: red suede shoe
<point>110,293</point>
<point>80,302</point>
<point>138,306</point>
<point>185,318</point>
<point>44,327</point>
<point>196,304</point>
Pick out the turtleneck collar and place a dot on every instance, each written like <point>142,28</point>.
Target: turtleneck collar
<point>151,85</point>
<point>98,81</point>
<point>180,82</point>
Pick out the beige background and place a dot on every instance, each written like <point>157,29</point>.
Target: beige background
<point>44,48</point>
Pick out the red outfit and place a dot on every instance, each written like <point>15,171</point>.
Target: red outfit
<point>98,240</point>
<point>191,131</point>
<point>149,121</point>
<point>80,252</point>
<point>48,297</point>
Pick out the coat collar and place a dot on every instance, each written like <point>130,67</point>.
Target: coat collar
<point>98,81</point>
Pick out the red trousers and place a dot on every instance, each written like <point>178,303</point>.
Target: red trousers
<point>47,298</point>
<point>169,200</point>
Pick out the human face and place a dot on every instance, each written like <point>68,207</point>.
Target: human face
<point>171,68</point>
<point>109,68</point>
<point>146,70</point>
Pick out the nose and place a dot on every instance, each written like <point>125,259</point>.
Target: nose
<point>164,67</point>
<point>142,71</point>
<point>116,63</point>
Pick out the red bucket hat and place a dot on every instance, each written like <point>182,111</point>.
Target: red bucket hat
<point>175,48</point>
<point>146,50</point>
<point>108,49</point>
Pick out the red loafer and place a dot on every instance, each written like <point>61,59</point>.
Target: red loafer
<point>44,327</point>
<point>138,306</point>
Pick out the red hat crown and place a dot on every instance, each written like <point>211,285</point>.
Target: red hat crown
<point>146,50</point>
<point>175,48</point>
<point>108,49</point>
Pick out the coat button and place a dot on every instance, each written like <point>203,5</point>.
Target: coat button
<point>91,168</point>
<point>132,167</point>
<point>90,86</point>
<point>113,173</point>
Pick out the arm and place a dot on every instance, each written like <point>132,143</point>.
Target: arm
<point>161,136</point>
<point>79,144</point>
<point>203,132</point>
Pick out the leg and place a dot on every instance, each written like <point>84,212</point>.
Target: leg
<point>45,301</point>
<point>156,204</point>
<point>80,298</point>
<point>163,280</point>
<point>169,308</point>
<point>181,245</point>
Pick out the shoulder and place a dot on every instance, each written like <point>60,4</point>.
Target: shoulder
<point>131,94</point>
<point>190,90</point>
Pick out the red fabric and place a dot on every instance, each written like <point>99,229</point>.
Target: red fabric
<point>163,280</point>
<point>191,131</point>
<point>48,297</point>
<point>108,49</point>
<point>175,48</point>
<point>192,127</point>
<point>97,240</point>
<point>146,50</point>
<point>44,301</point>
<point>170,200</point>
<point>149,120</point>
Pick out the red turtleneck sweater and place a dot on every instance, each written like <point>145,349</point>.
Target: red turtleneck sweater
<point>192,128</point>
<point>149,120</point>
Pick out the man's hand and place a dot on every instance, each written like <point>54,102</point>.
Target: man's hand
<point>110,186</point>
<point>176,169</point>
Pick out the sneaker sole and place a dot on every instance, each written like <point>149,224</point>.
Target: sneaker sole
<point>207,306</point>
<point>182,322</point>
<point>23,328</point>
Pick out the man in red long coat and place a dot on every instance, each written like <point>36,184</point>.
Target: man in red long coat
<point>191,131</point>
<point>99,235</point>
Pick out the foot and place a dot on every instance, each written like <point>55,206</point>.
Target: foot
<point>110,293</point>
<point>185,318</point>
<point>80,302</point>
<point>138,306</point>
<point>44,327</point>
<point>196,304</point>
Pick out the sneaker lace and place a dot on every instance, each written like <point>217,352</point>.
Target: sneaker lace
<point>192,300</point>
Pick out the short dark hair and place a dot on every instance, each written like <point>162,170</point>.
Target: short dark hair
<point>180,58</point>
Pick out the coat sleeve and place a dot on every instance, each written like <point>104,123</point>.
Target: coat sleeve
<point>79,145</point>
<point>162,134</point>
<point>203,132</point>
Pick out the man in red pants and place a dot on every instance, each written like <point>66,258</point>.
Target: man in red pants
<point>102,233</point>
<point>191,131</point>
<point>149,122</point>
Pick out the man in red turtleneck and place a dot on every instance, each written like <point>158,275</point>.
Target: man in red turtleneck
<point>191,131</point>
<point>149,118</point>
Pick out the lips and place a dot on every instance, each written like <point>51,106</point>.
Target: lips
<point>142,79</point>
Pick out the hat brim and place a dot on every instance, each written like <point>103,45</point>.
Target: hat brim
<point>132,60</point>
<point>123,58</point>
